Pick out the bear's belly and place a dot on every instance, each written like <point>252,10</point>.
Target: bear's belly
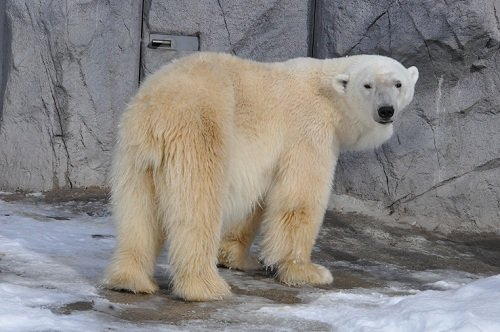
<point>249,178</point>
<point>248,185</point>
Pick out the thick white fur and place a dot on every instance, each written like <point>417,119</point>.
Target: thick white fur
<point>214,147</point>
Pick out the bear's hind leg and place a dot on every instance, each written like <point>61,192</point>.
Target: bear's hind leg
<point>192,250</point>
<point>139,235</point>
<point>191,190</point>
<point>234,250</point>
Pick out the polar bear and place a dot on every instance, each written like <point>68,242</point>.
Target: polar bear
<point>214,148</point>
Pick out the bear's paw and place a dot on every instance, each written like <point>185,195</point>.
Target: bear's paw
<point>234,255</point>
<point>201,288</point>
<point>298,274</point>
<point>135,283</point>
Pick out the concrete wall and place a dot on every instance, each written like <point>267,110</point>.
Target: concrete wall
<point>67,69</point>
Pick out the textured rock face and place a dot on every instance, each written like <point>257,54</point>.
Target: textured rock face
<point>261,30</point>
<point>69,67</point>
<point>441,169</point>
<point>3,54</point>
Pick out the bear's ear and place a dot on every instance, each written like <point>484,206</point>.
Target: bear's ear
<point>413,71</point>
<point>340,83</point>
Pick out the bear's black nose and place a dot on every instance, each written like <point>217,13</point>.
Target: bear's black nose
<point>386,112</point>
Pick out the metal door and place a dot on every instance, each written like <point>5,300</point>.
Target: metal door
<point>260,30</point>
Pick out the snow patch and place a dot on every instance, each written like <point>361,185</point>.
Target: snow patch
<point>473,307</point>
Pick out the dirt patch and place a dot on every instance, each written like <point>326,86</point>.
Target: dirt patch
<point>80,194</point>
<point>59,195</point>
<point>159,307</point>
<point>69,308</point>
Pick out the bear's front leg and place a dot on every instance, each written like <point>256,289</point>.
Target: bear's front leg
<point>295,208</point>
<point>289,237</point>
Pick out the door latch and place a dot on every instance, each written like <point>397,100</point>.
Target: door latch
<point>174,42</point>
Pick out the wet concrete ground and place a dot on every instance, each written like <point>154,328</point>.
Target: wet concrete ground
<point>360,252</point>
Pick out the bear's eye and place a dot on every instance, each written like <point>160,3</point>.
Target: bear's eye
<point>398,85</point>
<point>367,86</point>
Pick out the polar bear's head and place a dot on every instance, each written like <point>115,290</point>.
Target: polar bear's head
<point>376,88</point>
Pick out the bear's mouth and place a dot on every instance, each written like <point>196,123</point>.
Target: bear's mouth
<point>385,121</point>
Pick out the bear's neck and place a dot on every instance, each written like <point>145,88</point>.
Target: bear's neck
<point>355,136</point>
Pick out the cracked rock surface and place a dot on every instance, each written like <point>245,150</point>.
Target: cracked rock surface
<point>441,170</point>
<point>67,70</point>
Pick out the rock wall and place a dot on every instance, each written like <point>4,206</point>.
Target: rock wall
<point>441,170</point>
<point>67,69</point>
<point>4,35</point>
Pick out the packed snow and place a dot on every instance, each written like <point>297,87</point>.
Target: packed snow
<point>52,257</point>
<point>471,307</point>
